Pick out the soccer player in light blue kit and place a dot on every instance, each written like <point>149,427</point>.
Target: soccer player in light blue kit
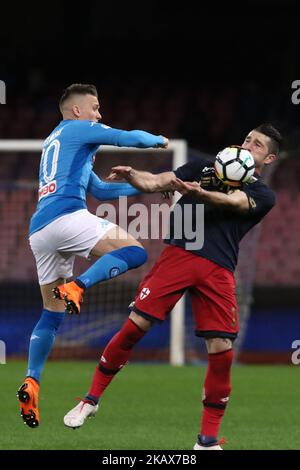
<point>62,227</point>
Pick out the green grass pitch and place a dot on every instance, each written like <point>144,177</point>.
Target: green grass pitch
<point>153,407</point>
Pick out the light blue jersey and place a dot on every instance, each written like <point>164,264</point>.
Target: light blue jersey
<point>66,167</point>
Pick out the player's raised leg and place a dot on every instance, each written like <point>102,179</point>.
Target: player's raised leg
<point>155,306</point>
<point>216,392</point>
<point>41,341</point>
<point>117,251</point>
<point>114,357</point>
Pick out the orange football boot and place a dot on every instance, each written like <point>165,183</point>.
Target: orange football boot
<point>28,396</point>
<point>72,294</point>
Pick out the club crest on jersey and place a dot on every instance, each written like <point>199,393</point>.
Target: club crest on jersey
<point>145,292</point>
<point>47,189</point>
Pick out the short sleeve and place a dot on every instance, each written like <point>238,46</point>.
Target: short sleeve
<point>261,198</point>
<point>192,171</point>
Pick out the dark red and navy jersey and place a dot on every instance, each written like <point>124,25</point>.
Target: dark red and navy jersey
<point>223,228</point>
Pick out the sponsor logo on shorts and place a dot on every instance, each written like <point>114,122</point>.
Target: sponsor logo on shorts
<point>104,223</point>
<point>145,292</point>
<point>114,272</point>
<point>47,189</point>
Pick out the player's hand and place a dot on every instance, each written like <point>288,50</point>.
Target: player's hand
<point>119,173</point>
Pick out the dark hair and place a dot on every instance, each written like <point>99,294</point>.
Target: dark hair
<point>77,89</point>
<point>274,134</point>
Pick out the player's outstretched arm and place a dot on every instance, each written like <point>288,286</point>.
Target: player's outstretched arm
<point>107,191</point>
<point>141,139</point>
<point>237,200</point>
<point>143,180</point>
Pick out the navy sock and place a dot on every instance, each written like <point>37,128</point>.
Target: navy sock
<point>207,440</point>
<point>41,341</point>
<point>112,264</point>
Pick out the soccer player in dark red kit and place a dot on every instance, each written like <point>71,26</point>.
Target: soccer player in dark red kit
<point>207,273</point>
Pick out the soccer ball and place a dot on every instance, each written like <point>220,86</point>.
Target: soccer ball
<point>234,165</point>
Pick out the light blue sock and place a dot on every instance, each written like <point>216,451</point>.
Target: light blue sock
<point>112,264</point>
<point>41,341</point>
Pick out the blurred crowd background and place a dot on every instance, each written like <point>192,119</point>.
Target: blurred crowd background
<point>204,76</point>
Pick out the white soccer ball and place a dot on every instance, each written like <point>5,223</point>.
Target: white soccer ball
<point>234,165</point>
